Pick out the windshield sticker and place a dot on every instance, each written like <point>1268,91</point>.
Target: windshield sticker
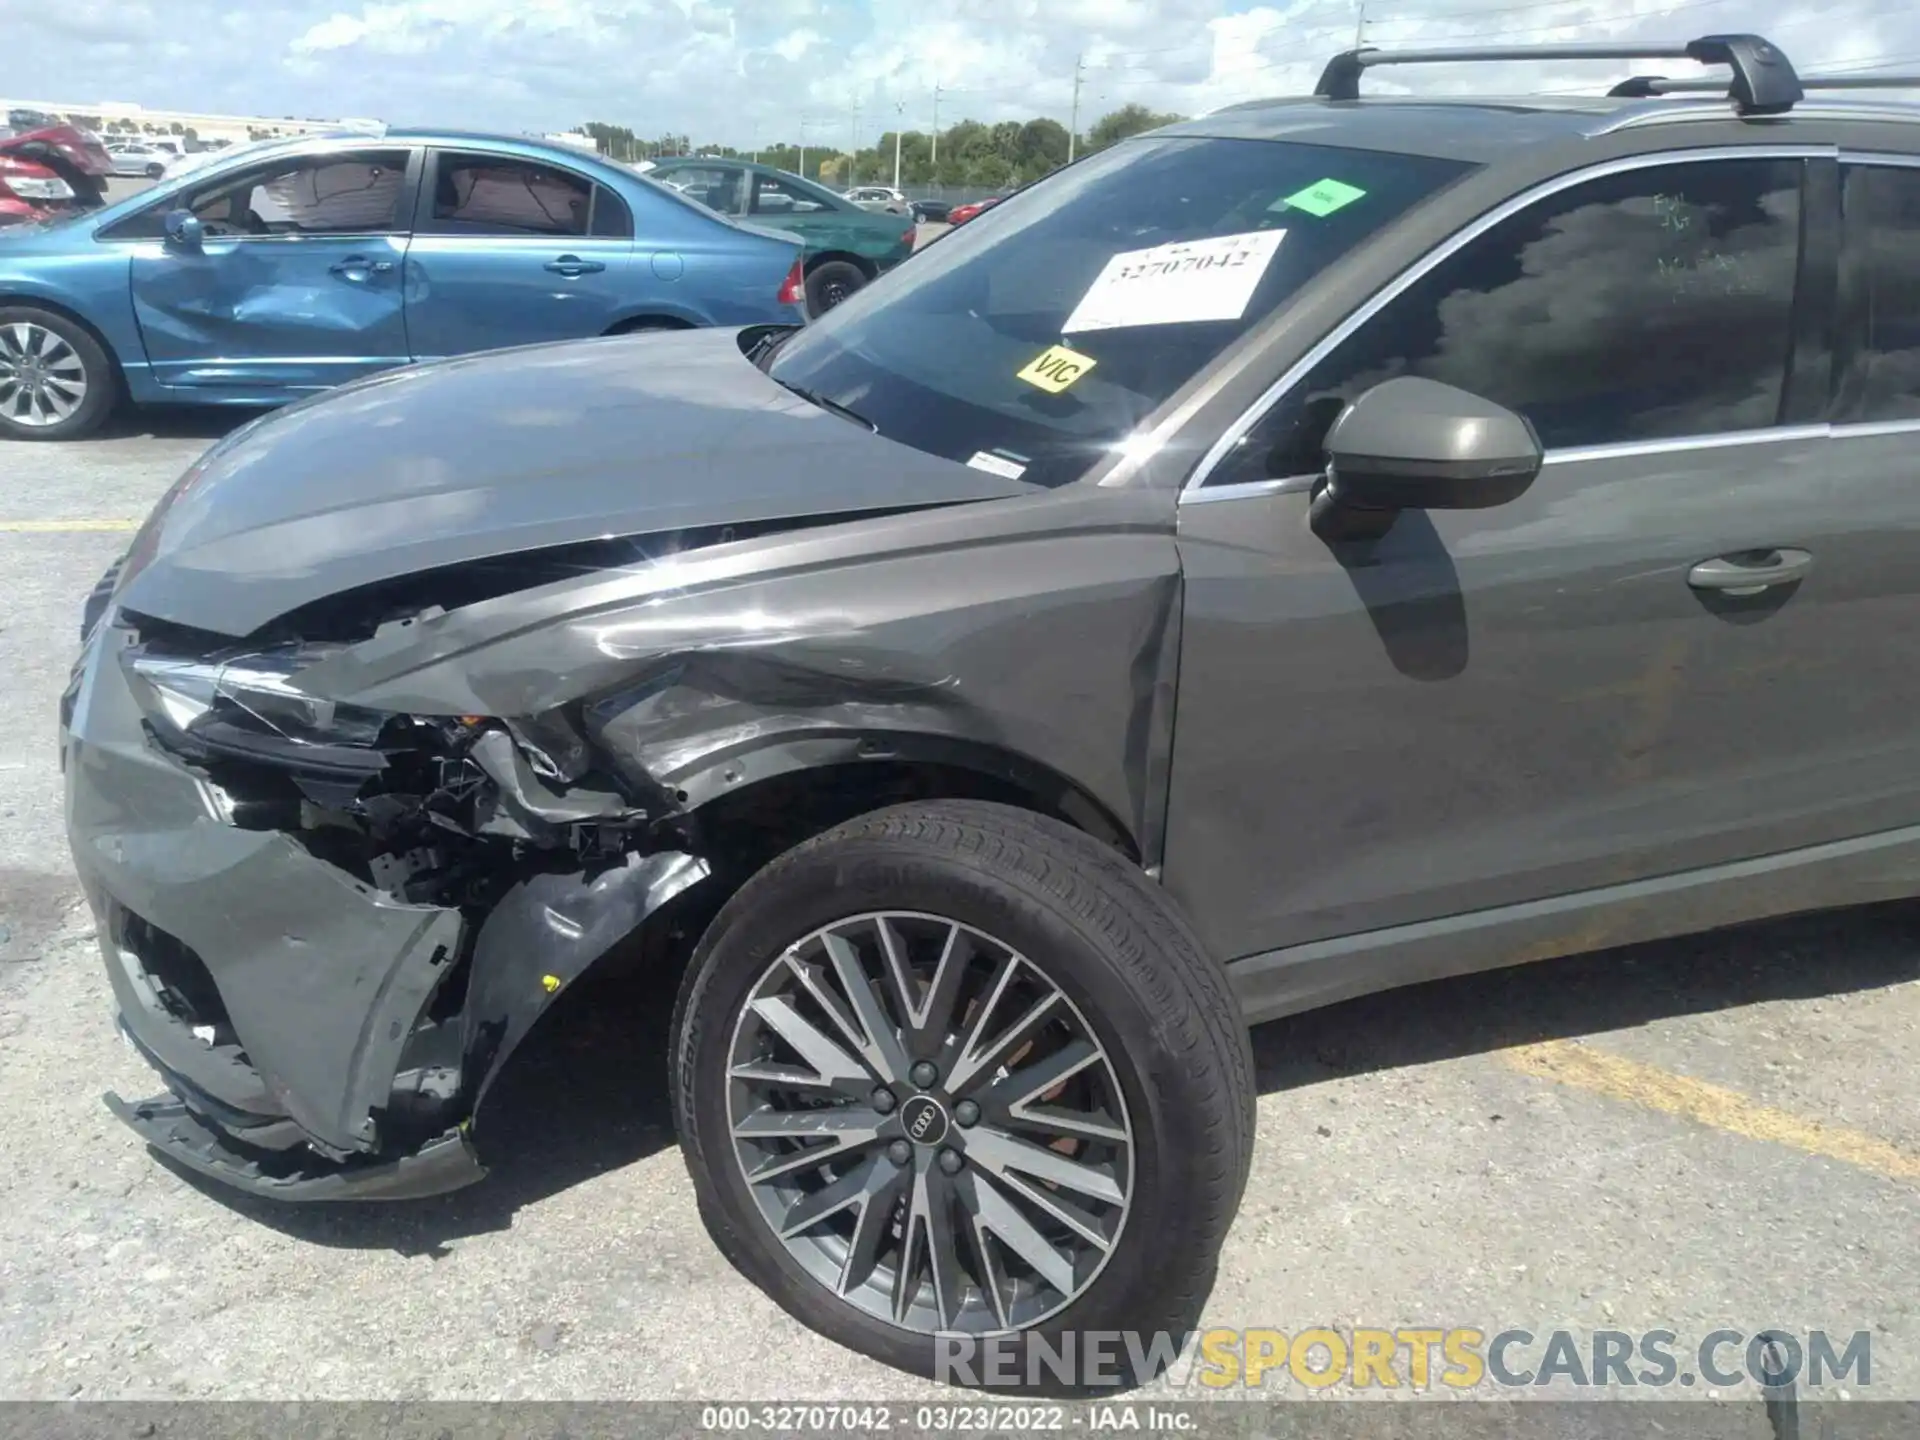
<point>1321,198</point>
<point>1055,368</point>
<point>1191,280</point>
<point>997,465</point>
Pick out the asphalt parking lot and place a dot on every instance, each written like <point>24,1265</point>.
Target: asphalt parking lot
<point>1720,1132</point>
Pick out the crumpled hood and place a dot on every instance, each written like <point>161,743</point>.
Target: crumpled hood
<point>506,452</point>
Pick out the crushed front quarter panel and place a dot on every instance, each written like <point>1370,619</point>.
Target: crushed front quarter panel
<point>1029,638</point>
<point>1038,631</point>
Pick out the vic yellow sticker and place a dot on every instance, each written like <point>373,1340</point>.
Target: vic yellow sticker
<point>1055,368</point>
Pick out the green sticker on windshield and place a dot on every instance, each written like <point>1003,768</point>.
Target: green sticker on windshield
<point>1322,198</point>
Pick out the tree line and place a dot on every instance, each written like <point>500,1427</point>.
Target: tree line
<point>969,153</point>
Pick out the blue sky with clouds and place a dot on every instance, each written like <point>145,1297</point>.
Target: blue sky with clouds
<point>745,70</point>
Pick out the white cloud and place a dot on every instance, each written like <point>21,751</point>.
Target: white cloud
<point>732,70</point>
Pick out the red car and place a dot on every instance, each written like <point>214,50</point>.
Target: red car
<point>960,214</point>
<point>48,170</point>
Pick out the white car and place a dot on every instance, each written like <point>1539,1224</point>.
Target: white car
<point>144,157</point>
<point>877,197</point>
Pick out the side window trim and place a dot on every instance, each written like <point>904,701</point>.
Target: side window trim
<point>405,211</point>
<point>1432,260</point>
<point>1849,322</point>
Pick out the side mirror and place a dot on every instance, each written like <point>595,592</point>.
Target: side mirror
<point>184,230</point>
<point>1411,444</point>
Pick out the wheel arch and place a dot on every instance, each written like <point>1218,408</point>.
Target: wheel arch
<point>12,296</point>
<point>651,319</point>
<point>861,263</point>
<point>801,789</point>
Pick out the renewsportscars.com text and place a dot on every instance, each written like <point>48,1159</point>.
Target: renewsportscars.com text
<point>1418,1358</point>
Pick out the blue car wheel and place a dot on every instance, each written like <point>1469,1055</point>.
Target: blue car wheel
<point>56,382</point>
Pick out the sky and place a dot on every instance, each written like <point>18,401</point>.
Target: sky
<point>749,72</point>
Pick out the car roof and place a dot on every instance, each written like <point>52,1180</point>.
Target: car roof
<point>1477,131</point>
<point>1763,86</point>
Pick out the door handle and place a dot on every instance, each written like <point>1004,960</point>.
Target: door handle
<point>1750,572</point>
<point>572,265</point>
<point>358,267</point>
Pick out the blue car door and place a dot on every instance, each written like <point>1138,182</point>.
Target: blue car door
<point>511,250</point>
<point>294,283</point>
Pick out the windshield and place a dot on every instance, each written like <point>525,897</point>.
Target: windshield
<point>1032,340</point>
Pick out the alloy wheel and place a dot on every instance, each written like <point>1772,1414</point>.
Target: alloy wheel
<point>43,380</point>
<point>928,1124</point>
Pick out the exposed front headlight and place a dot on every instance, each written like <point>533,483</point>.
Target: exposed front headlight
<point>246,696</point>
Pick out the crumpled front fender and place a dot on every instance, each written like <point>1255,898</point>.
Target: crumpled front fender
<point>543,935</point>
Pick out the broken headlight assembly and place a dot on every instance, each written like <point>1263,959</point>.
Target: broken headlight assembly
<point>250,695</point>
<point>392,798</point>
<point>245,708</point>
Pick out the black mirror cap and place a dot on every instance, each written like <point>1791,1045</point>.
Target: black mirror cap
<point>1413,444</point>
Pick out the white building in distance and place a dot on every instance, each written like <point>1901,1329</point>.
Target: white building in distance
<point>120,117</point>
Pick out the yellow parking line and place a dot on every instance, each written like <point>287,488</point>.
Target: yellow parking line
<point>63,527</point>
<point>1584,1068</point>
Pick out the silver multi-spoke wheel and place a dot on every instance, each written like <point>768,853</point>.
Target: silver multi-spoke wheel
<point>928,1125</point>
<point>43,380</point>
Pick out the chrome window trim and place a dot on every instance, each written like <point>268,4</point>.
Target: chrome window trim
<point>1626,449</point>
<point>1680,112</point>
<point>1872,429</point>
<point>1879,157</point>
<point>1459,240</point>
<point>301,237</point>
<point>1247,490</point>
<point>1720,440</point>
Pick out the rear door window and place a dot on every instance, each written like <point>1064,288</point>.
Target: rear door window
<point>476,194</point>
<point>1879,375</point>
<point>773,196</point>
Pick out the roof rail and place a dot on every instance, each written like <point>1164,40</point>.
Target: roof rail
<point>1646,87</point>
<point>1764,82</point>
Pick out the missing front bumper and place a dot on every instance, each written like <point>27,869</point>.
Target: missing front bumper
<point>165,1123</point>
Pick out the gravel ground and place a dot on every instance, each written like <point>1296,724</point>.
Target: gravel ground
<point>1413,1166</point>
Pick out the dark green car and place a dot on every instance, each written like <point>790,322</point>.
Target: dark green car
<point>846,246</point>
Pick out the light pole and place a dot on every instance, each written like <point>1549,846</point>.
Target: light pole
<point>1073,123</point>
<point>900,120</point>
<point>853,146</point>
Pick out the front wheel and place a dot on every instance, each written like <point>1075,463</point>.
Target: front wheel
<point>958,1088</point>
<point>832,282</point>
<point>56,382</point>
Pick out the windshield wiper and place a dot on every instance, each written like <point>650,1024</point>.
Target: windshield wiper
<point>762,351</point>
<point>833,407</point>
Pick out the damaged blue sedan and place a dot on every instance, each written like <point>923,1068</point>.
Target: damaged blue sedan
<point>289,266</point>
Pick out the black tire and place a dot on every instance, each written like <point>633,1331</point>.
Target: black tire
<point>1109,940</point>
<point>831,282</point>
<point>103,387</point>
<point>155,172</point>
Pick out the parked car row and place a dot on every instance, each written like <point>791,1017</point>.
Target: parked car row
<point>414,246</point>
<point>283,268</point>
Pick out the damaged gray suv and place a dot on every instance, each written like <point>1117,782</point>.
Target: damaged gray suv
<point>1328,545</point>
